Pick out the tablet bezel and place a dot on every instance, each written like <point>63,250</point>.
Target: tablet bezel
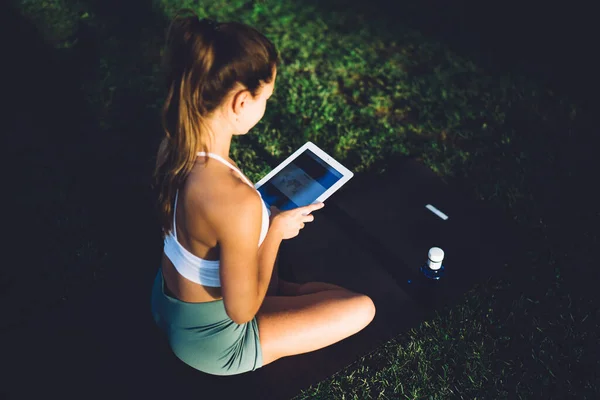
<point>346,173</point>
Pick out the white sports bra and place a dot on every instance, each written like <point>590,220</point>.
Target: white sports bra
<point>192,267</point>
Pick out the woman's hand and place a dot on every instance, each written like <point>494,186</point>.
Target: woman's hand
<point>290,222</point>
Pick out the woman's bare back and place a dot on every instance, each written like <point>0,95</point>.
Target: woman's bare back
<point>198,238</point>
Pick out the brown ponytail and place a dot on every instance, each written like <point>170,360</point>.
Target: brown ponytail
<point>202,62</point>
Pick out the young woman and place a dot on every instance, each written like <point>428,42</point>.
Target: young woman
<point>217,295</point>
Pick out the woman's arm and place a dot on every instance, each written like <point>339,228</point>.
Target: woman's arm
<point>267,253</point>
<point>236,220</point>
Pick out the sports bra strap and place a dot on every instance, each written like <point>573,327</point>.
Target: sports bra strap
<point>174,214</point>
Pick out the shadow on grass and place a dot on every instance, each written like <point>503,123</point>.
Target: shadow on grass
<point>84,241</point>
<point>81,208</point>
<point>46,164</point>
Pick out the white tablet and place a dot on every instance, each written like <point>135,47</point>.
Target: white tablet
<point>306,177</point>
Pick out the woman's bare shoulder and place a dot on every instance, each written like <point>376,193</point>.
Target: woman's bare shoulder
<point>217,186</point>
<point>220,194</point>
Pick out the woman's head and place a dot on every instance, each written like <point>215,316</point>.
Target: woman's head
<point>218,78</point>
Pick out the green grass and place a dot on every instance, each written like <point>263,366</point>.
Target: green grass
<point>365,91</point>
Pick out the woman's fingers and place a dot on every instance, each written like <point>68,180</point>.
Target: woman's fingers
<point>306,210</point>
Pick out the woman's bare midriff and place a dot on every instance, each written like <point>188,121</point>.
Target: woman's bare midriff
<point>185,290</point>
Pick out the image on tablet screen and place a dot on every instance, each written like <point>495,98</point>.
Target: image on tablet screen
<point>299,183</point>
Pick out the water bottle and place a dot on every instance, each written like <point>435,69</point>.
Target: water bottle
<point>434,268</point>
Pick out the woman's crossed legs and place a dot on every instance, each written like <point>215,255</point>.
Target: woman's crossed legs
<point>299,318</point>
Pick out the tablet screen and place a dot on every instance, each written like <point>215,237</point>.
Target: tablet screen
<point>299,183</point>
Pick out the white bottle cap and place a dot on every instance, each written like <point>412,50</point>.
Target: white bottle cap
<point>436,256</point>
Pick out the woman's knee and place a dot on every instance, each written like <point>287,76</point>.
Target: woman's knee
<point>367,306</point>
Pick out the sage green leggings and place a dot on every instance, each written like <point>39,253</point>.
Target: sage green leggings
<point>203,336</point>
